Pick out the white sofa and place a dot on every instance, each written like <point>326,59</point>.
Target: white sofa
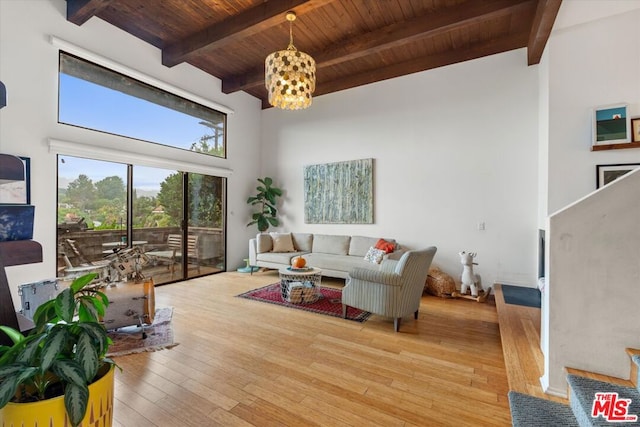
<point>336,255</point>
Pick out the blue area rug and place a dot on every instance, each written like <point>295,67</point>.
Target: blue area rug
<point>520,295</point>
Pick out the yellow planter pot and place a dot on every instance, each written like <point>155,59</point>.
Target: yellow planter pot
<point>51,412</point>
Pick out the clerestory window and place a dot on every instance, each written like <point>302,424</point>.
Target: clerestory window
<point>94,97</point>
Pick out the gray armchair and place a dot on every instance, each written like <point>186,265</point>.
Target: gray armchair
<point>393,291</point>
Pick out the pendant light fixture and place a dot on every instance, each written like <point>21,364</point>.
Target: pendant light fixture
<point>290,75</point>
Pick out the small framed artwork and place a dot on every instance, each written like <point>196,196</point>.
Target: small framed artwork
<point>18,192</point>
<point>635,129</point>
<point>608,173</point>
<point>611,125</point>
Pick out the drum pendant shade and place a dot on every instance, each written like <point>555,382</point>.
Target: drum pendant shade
<point>290,75</point>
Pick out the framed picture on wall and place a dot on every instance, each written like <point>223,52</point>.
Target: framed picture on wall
<point>611,124</point>
<point>608,173</point>
<point>635,130</point>
<point>18,192</point>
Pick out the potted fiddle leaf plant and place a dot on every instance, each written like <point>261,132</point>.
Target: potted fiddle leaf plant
<point>265,200</point>
<point>59,368</point>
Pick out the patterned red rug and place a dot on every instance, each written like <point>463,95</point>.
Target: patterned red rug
<point>330,304</point>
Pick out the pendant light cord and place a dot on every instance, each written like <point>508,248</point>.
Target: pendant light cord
<point>291,46</point>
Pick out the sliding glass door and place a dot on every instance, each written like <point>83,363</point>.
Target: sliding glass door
<point>170,224</point>
<point>157,221</point>
<point>91,213</point>
<point>205,224</point>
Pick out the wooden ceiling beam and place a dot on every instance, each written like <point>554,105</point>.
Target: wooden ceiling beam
<point>236,28</point>
<point>478,50</point>
<point>391,36</point>
<point>399,34</point>
<point>79,11</point>
<point>543,21</point>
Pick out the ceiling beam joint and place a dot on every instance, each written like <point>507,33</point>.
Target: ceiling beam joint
<point>543,21</point>
<point>79,11</point>
<point>259,18</point>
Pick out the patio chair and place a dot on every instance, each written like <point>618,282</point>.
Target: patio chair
<point>83,265</point>
<point>173,254</point>
<point>394,292</point>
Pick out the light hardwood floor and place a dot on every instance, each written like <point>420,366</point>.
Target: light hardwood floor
<point>520,334</point>
<point>244,363</point>
<point>524,362</point>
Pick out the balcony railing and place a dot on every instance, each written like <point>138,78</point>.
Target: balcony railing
<point>96,245</point>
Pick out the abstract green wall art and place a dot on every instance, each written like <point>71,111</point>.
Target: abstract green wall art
<point>339,193</point>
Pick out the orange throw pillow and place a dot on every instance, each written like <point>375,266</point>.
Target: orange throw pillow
<point>387,247</point>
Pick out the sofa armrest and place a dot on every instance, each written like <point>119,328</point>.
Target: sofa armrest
<point>253,252</point>
<point>388,265</point>
<point>376,276</point>
<point>396,255</point>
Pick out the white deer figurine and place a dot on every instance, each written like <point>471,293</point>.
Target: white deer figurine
<point>468,278</point>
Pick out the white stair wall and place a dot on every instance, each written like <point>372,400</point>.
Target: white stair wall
<point>593,284</point>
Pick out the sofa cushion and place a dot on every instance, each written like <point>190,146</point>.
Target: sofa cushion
<point>302,241</point>
<point>337,262</point>
<point>331,244</point>
<point>264,243</point>
<point>278,257</point>
<point>282,242</point>
<point>374,255</point>
<point>359,245</point>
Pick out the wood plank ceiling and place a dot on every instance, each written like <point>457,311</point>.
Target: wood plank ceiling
<point>354,42</point>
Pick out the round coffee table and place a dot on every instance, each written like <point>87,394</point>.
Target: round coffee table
<point>300,285</point>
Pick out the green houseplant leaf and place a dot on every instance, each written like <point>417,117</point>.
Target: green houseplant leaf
<point>65,305</point>
<point>82,281</point>
<point>10,384</point>
<point>87,355</point>
<point>45,313</point>
<point>265,200</point>
<point>14,335</point>
<point>69,371</point>
<point>67,346</point>
<point>53,345</point>
<point>75,400</point>
<point>100,339</point>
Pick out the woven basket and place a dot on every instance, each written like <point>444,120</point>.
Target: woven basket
<point>439,283</point>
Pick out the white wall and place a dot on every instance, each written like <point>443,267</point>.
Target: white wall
<point>593,60</point>
<point>543,140</point>
<point>29,69</point>
<point>594,270</point>
<point>591,65</point>
<point>453,147</point>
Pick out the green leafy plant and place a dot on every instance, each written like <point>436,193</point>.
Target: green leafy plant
<point>63,354</point>
<point>265,199</point>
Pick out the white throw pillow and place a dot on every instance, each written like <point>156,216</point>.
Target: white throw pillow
<point>264,243</point>
<point>374,255</point>
<point>282,242</point>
